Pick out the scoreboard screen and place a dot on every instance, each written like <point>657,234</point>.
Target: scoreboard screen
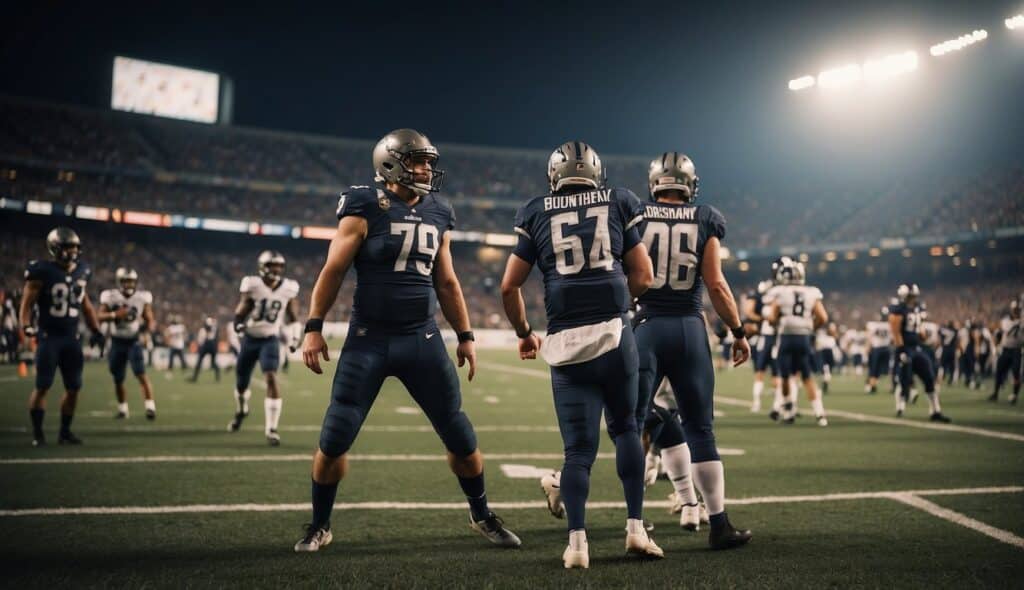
<point>165,90</point>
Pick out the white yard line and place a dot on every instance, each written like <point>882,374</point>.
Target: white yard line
<point>290,457</point>
<point>293,428</point>
<point>201,508</point>
<point>960,519</point>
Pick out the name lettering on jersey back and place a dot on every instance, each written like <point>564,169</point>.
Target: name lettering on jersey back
<point>680,213</point>
<point>577,200</point>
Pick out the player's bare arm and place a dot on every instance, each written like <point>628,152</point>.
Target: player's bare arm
<point>453,304</point>
<point>149,317</point>
<point>721,298</point>
<point>819,315</point>
<point>344,246</point>
<point>28,300</point>
<point>516,272</point>
<point>640,273</point>
<point>91,317</point>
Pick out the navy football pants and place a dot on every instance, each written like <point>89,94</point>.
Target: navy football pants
<point>122,352</point>
<point>916,363</point>
<point>420,361</point>
<point>59,352</point>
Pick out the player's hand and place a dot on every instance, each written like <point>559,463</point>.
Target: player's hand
<point>96,339</point>
<point>120,313</point>
<point>529,346</point>
<point>30,331</point>
<point>467,352</point>
<point>314,345</point>
<point>239,328</point>
<point>740,352</point>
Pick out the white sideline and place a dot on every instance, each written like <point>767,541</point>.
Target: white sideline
<point>292,457</point>
<point>298,428</point>
<point>960,519</point>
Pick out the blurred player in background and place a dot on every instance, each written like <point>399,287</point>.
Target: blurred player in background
<point>947,356</point>
<point>207,340</point>
<point>175,335</point>
<point>753,308</point>
<point>56,289</point>
<point>825,353</point>
<point>880,353</point>
<point>267,301</point>
<point>1011,341</point>
<point>905,322</point>
<point>130,313</point>
<point>583,236</point>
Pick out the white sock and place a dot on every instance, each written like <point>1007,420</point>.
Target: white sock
<point>634,526</point>
<point>778,401</point>
<point>826,373</point>
<point>272,407</point>
<point>150,404</point>
<point>242,401</point>
<point>758,388</point>
<point>578,540</point>
<point>710,479</point>
<point>677,465</point>
<point>123,408</point>
<point>933,401</point>
<point>819,408</point>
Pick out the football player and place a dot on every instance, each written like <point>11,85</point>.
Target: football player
<point>905,322</point>
<point>753,308</point>
<point>207,338</point>
<point>947,358</point>
<point>797,311</point>
<point>175,335</point>
<point>1011,340</point>
<point>57,288</point>
<point>966,347</point>
<point>582,235</point>
<point>266,301</point>
<point>398,237</point>
<point>824,349</point>
<point>130,313</point>
<point>880,353</point>
<point>683,240</point>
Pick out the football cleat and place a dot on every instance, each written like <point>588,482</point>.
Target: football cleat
<point>150,415</point>
<point>573,558</point>
<point>552,491</point>
<point>236,424</point>
<point>639,543</point>
<point>39,440</point>
<point>314,539</point>
<point>728,537</point>
<point>121,415</point>
<point>689,517</point>
<point>899,412</point>
<point>273,438</point>
<point>774,415</point>
<point>822,421</point>
<point>493,529</point>
<point>994,397</point>
<point>940,417</point>
<point>68,438</point>
<point>652,465</point>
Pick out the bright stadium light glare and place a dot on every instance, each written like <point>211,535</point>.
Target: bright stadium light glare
<point>890,66</point>
<point>801,83</point>
<point>958,43</point>
<point>839,77</point>
<point>1015,22</point>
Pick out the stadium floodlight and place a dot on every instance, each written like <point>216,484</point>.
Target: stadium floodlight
<point>839,77</point>
<point>889,66</point>
<point>801,83</point>
<point>959,43</point>
<point>1015,22</point>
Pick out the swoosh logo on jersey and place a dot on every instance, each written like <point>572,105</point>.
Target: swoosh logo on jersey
<point>431,335</point>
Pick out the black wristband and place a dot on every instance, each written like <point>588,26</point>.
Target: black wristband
<point>314,325</point>
<point>466,336</point>
<point>529,330</point>
<point>738,332</point>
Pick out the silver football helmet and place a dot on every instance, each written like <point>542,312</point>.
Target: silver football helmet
<point>763,287</point>
<point>790,272</point>
<point>63,244</point>
<point>575,162</point>
<point>127,279</point>
<point>905,292</point>
<point>271,265</point>
<point>673,171</point>
<point>393,160</point>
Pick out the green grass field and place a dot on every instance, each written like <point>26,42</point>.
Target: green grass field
<point>871,540</point>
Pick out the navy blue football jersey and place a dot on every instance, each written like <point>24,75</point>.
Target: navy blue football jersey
<point>675,236</point>
<point>910,323</point>
<point>395,263</point>
<point>577,240</point>
<point>60,299</point>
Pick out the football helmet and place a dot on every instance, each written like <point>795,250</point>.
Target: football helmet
<point>575,162</point>
<point>673,171</point>
<point>763,287</point>
<point>127,279</point>
<point>885,313</point>
<point>393,158</point>
<point>63,244</point>
<point>905,292</point>
<point>271,265</point>
<point>1015,309</point>
<point>790,272</point>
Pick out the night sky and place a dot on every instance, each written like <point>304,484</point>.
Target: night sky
<point>628,77</point>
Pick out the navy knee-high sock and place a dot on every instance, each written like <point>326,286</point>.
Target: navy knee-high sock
<point>575,486</point>
<point>323,503</point>
<point>476,495</point>
<point>629,462</point>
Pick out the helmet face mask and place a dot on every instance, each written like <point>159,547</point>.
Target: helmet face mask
<point>271,266</point>
<point>63,245</point>
<point>404,157</point>
<point>789,272</point>
<point>575,163</point>
<point>127,280</point>
<point>673,171</point>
